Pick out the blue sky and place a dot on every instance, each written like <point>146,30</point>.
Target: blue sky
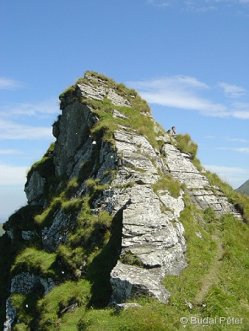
<point>188,59</point>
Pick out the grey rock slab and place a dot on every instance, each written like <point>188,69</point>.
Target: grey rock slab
<point>10,316</point>
<point>198,185</point>
<point>97,92</point>
<point>117,99</point>
<point>56,233</point>
<point>101,91</point>
<point>127,280</point>
<point>150,233</point>
<point>28,235</point>
<point>118,114</point>
<point>25,283</point>
<point>176,205</point>
<point>73,136</point>
<point>34,188</point>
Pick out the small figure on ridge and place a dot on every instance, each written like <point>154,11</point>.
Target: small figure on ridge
<point>172,131</point>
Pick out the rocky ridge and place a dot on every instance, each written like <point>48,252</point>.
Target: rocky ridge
<point>114,166</point>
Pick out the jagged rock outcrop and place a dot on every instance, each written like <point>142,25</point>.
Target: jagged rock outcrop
<point>203,194</point>
<point>112,183</point>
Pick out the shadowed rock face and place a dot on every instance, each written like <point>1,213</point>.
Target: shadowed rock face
<point>151,243</point>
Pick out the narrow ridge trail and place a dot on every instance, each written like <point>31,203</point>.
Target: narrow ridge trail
<point>211,277</point>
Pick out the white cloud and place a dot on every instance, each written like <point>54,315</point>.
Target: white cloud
<point>180,92</point>
<point>12,175</point>
<point>244,150</point>
<point>230,139</point>
<point>243,115</point>
<point>199,6</point>
<point>161,3</point>
<point>47,107</point>
<point>10,130</point>
<point>235,176</point>
<point>239,112</point>
<point>9,152</point>
<point>10,114</point>
<point>236,140</point>
<point>180,82</point>
<point>186,92</point>
<point>9,84</point>
<point>231,90</point>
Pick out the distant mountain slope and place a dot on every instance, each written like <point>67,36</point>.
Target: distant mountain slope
<point>244,188</point>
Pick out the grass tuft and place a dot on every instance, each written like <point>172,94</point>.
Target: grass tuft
<point>186,145</point>
<point>168,183</point>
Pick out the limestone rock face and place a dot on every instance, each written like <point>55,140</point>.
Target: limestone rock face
<point>69,141</point>
<point>129,280</point>
<point>98,89</point>
<point>104,163</point>
<point>35,187</point>
<point>181,167</point>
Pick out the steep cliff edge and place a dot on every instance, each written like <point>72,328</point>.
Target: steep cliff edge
<point>105,213</point>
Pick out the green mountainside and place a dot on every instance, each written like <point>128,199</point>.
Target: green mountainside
<point>124,229</point>
<point>244,188</point>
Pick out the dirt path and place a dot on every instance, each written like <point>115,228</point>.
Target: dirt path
<point>211,278</point>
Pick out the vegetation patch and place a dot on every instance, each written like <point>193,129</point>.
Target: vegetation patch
<point>197,163</point>
<point>71,187</point>
<point>58,301</point>
<point>168,183</point>
<point>129,258</point>
<point>25,306</point>
<point>149,317</point>
<point>46,217</point>
<point>72,205</point>
<point>34,260</point>
<point>95,186</point>
<point>186,145</point>
<point>90,234</point>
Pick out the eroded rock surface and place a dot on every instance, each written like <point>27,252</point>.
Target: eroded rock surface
<point>203,194</point>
